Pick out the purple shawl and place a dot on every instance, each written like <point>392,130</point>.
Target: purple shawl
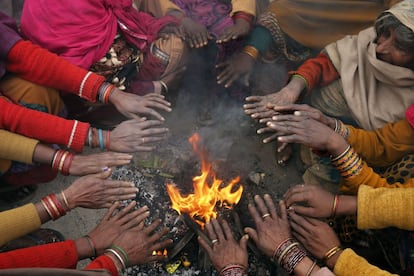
<point>9,35</point>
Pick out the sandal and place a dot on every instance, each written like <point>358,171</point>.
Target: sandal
<point>37,237</point>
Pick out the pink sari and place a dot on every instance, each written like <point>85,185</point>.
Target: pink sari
<point>82,31</point>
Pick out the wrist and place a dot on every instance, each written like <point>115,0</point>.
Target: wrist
<point>233,269</point>
<point>251,51</point>
<point>332,260</point>
<point>347,206</point>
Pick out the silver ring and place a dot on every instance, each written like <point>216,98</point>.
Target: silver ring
<point>214,241</point>
<point>265,215</point>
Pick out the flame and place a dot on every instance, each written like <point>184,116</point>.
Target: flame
<point>201,204</point>
<point>160,253</point>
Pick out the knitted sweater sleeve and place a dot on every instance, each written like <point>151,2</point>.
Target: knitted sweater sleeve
<point>16,147</point>
<point>382,207</point>
<point>40,66</point>
<point>349,263</point>
<point>42,126</point>
<point>57,254</point>
<point>384,146</point>
<point>318,71</point>
<point>104,262</point>
<point>18,222</point>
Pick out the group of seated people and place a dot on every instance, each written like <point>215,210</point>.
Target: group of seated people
<point>353,64</point>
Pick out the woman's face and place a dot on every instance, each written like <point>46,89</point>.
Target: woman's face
<point>388,50</point>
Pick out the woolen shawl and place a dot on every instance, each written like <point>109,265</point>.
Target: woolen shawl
<point>82,31</point>
<point>8,37</point>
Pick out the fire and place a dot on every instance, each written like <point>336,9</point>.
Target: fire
<point>208,190</point>
<point>160,253</point>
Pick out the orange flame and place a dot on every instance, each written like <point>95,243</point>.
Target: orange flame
<point>201,204</point>
<point>160,253</point>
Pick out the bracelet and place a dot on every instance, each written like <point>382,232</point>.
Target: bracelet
<point>302,78</point>
<point>90,137</point>
<point>278,249</point>
<point>91,245</point>
<point>233,270</point>
<point>341,129</point>
<point>53,206</point>
<point>67,163</point>
<point>164,85</point>
<point>101,142</point>
<point>62,161</point>
<point>295,256</point>
<point>285,252</point>
<point>334,205</point>
<point>114,260</point>
<point>65,200</point>
<point>124,254</point>
<point>118,256</point>
<point>308,273</point>
<point>342,154</point>
<point>242,15</point>
<point>251,51</point>
<point>108,139</point>
<point>330,253</point>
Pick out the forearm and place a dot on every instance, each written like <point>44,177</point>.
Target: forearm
<point>58,254</point>
<point>246,6</point>
<point>383,207</point>
<point>36,64</point>
<point>105,262</point>
<point>42,126</point>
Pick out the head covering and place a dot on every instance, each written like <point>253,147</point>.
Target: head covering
<point>8,37</point>
<point>404,11</point>
<point>82,31</point>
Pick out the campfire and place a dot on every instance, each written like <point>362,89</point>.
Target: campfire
<point>209,191</point>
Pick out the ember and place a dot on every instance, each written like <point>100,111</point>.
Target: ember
<point>208,190</point>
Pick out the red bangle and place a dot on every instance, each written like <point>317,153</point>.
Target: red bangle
<point>243,15</point>
<point>56,159</point>
<point>67,163</point>
<point>107,93</point>
<point>51,209</point>
<point>108,139</point>
<point>59,206</point>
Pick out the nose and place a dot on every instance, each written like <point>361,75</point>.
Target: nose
<point>384,45</point>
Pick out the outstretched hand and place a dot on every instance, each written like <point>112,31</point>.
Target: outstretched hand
<point>238,66</point>
<point>240,28</point>
<point>310,200</point>
<point>137,135</point>
<point>223,249</point>
<point>133,106</point>
<point>95,191</point>
<point>271,229</point>
<point>194,33</point>
<point>93,163</point>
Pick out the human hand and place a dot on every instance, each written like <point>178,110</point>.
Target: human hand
<point>136,135</point>
<point>314,201</point>
<point>315,235</point>
<point>139,242</point>
<point>93,163</point>
<point>115,222</point>
<point>271,229</point>
<point>240,28</point>
<point>95,191</point>
<point>224,249</point>
<point>306,111</point>
<point>196,34</point>
<point>133,106</point>
<point>239,66</point>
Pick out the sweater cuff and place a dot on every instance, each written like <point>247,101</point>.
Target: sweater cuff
<point>104,262</point>
<point>78,136</point>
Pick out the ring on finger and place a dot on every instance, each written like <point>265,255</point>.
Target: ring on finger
<point>214,241</point>
<point>265,215</point>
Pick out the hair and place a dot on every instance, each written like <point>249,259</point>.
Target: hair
<point>404,36</point>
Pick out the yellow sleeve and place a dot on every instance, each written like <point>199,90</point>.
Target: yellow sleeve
<point>18,222</point>
<point>384,146</point>
<point>349,263</point>
<point>158,8</point>
<point>247,6</point>
<point>383,207</point>
<point>16,147</point>
<point>368,177</point>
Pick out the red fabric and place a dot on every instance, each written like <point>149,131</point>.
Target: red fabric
<point>38,174</point>
<point>58,255</point>
<point>42,126</point>
<point>318,71</point>
<point>409,114</point>
<point>40,66</point>
<point>104,262</point>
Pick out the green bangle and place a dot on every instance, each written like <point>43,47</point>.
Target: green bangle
<point>124,254</point>
<point>302,78</point>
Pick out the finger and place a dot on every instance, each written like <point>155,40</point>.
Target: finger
<point>152,226</point>
<point>210,231</point>
<point>232,79</point>
<point>111,210</point>
<point>228,234</point>
<point>282,147</point>
<point>206,246</point>
<point>218,229</point>
<point>261,205</point>
<point>270,205</point>
<point>302,210</point>
<point>255,214</point>
<point>243,242</point>
<point>157,236</point>
<point>135,217</point>
<point>123,211</point>
<point>252,234</point>
<point>283,211</point>
<point>270,138</point>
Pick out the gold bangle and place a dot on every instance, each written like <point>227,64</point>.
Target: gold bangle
<point>65,200</point>
<point>330,253</point>
<point>311,268</point>
<point>251,51</point>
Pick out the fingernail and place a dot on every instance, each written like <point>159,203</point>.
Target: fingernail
<point>105,169</point>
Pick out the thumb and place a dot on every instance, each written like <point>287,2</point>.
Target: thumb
<point>243,241</point>
<point>106,172</point>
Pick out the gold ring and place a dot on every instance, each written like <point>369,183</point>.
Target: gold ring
<point>265,215</point>
<point>214,241</point>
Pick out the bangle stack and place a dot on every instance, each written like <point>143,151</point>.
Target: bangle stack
<point>341,129</point>
<point>99,138</point>
<point>105,91</point>
<point>120,255</point>
<point>348,163</point>
<point>243,15</point>
<point>62,161</point>
<point>233,270</point>
<point>288,254</point>
<point>331,252</point>
<point>251,51</point>
<point>335,205</point>
<point>53,206</point>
